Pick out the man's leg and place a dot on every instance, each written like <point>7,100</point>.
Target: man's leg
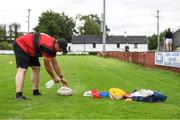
<point>167,44</point>
<point>35,77</point>
<point>167,48</point>
<point>20,79</point>
<point>20,82</point>
<point>170,47</point>
<point>22,62</point>
<point>35,80</point>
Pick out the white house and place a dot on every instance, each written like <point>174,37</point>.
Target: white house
<point>89,43</point>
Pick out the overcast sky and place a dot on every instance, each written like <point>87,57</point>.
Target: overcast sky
<point>136,17</point>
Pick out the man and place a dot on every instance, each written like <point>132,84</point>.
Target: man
<point>27,49</point>
<point>168,40</point>
<point>127,47</point>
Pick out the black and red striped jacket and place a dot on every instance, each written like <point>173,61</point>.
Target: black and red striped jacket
<point>37,45</point>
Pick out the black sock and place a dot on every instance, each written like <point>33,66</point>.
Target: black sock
<point>18,94</point>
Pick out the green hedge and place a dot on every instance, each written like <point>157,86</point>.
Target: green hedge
<point>5,45</point>
<point>93,53</point>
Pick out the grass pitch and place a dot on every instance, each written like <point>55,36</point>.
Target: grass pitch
<point>85,73</point>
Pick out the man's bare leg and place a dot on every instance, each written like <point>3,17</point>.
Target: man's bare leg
<point>20,82</point>
<point>35,80</point>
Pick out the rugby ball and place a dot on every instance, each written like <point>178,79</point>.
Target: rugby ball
<point>64,91</point>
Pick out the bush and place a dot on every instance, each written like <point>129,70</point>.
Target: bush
<point>4,45</point>
<point>93,53</point>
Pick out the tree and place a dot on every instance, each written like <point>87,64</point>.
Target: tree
<point>153,40</point>
<point>2,31</point>
<point>13,30</point>
<point>6,43</point>
<point>90,25</point>
<point>56,25</point>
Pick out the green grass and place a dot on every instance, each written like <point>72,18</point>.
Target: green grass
<point>85,73</point>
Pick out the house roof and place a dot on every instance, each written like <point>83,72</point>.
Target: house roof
<point>86,39</point>
<point>177,29</point>
<point>89,39</point>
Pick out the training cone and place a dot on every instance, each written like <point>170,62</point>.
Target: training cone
<point>95,93</point>
<point>104,94</point>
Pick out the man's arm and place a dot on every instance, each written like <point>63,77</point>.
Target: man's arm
<point>56,66</point>
<point>49,69</point>
<point>57,69</point>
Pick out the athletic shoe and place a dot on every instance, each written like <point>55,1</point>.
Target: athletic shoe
<point>36,93</point>
<point>21,98</point>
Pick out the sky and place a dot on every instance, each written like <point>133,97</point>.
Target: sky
<point>135,17</point>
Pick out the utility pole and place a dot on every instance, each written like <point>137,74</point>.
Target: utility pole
<point>104,25</point>
<point>158,37</point>
<point>29,10</point>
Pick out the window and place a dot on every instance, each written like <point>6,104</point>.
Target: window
<point>118,45</point>
<point>135,45</point>
<point>94,45</point>
<point>69,48</point>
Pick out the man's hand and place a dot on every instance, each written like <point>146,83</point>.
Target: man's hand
<point>64,82</point>
<point>56,79</point>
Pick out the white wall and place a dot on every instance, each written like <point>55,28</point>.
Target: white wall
<point>141,48</point>
<point>109,47</point>
<point>85,47</point>
<point>113,47</point>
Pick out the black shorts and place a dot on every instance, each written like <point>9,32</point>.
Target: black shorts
<point>23,60</point>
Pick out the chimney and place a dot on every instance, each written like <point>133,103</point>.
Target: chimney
<point>125,34</point>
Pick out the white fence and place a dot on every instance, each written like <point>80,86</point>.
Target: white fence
<point>7,52</point>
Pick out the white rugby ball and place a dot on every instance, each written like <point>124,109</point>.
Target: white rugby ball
<point>64,91</point>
